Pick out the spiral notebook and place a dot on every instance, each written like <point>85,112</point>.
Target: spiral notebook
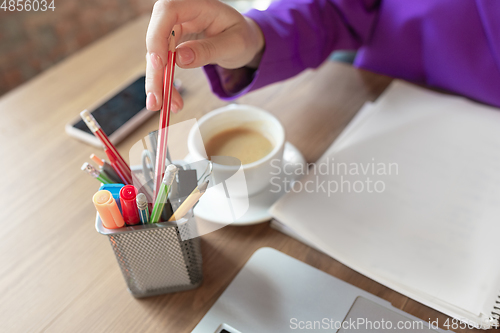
<point>429,225</point>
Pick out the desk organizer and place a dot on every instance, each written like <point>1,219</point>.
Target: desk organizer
<point>157,258</point>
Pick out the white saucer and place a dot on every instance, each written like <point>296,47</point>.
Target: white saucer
<point>259,203</point>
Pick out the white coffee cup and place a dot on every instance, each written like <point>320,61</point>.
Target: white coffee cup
<point>257,174</point>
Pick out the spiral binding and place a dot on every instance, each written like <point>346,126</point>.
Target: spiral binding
<point>495,314</point>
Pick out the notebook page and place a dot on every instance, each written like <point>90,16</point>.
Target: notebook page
<point>434,227</point>
<point>361,116</point>
<point>418,103</point>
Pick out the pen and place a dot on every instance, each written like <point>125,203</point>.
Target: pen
<point>142,206</point>
<point>128,194</point>
<point>106,168</point>
<point>108,210</point>
<point>161,199</point>
<point>94,173</point>
<point>190,201</point>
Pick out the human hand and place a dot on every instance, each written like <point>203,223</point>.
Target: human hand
<point>206,32</point>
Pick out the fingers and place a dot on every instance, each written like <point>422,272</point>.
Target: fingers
<point>226,49</point>
<point>218,33</point>
<point>166,14</point>
<point>177,102</point>
<point>154,103</point>
<point>154,82</point>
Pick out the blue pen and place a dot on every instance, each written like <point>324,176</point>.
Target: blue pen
<point>142,205</point>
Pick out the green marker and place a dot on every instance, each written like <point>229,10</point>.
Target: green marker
<point>100,176</point>
<point>161,199</point>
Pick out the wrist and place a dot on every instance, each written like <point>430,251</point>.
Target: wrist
<point>258,43</point>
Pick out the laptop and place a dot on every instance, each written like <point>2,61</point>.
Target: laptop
<point>277,293</point>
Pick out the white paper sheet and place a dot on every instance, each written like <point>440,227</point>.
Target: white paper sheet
<point>432,234</point>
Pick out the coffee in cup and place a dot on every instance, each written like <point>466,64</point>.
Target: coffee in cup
<point>246,144</point>
<point>246,134</point>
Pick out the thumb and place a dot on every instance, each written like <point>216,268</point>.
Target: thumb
<point>227,49</point>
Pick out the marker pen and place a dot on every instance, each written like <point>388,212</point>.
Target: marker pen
<point>128,195</point>
<point>115,192</point>
<point>108,210</point>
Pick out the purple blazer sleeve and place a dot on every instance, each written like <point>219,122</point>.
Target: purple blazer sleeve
<point>301,34</point>
<point>447,44</point>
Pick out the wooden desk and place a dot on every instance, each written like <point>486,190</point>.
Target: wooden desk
<point>57,274</point>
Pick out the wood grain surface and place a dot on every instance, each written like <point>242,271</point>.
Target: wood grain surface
<point>57,274</point>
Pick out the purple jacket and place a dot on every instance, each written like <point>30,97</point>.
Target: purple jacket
<point>449,44</point>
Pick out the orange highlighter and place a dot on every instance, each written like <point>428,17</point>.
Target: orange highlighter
<point>108,210</point>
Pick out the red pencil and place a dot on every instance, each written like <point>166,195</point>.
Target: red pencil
<point>168,84</point>
<point>112,160</point>
<point>117,162</point>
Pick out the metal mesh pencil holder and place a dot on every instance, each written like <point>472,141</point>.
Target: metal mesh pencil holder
<point>157,258</point>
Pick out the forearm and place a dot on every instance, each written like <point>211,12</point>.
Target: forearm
<point>299,34</point>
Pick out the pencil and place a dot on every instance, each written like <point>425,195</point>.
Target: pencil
<point>119,164</point>
<point>190,201</point>
<point>142,206</point>
<point>116,160</point>
<point>107,169</point>
<point>88,168</point>
<point>116,167</point>
<point>168,84</point>
<point>165,186</point>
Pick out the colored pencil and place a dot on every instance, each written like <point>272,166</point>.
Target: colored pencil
<point>88,168</point>
<point>190,201</point>
<point>119,162</point>
<point>116,167</point>
<point>107,169</point>
<point>142,206</point>
<point>168,84</point>
<point>161,199</point>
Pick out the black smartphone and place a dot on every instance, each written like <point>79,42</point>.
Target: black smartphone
<point>119,113</point>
